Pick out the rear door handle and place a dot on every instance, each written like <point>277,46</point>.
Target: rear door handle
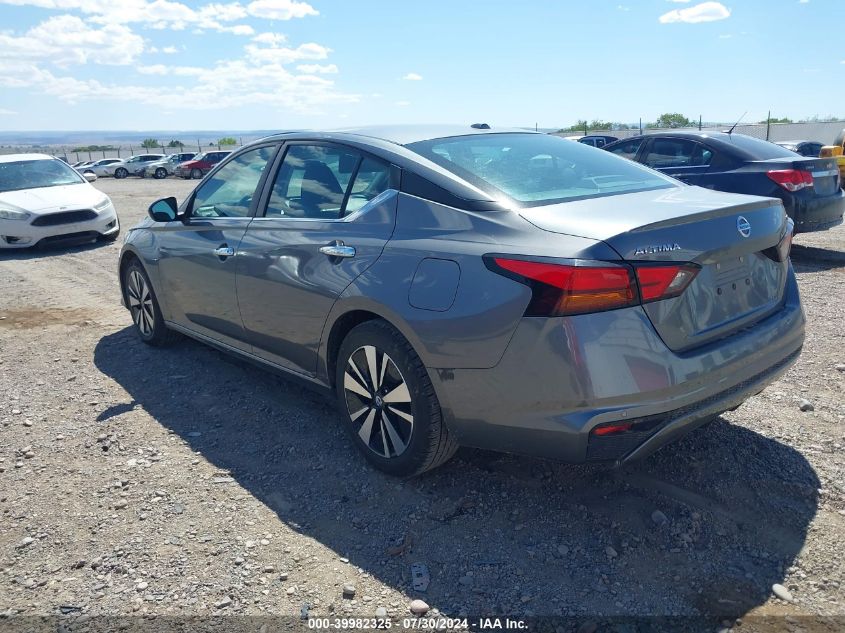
<point>338,249</point>
<point>224,251</point>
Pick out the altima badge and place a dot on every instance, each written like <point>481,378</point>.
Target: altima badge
<point>743,226</point>
<point>658,248</point>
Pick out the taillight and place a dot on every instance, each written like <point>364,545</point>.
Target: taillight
<point>560,290</point>
<point>659,282</point>
<point>791,179</point>
<point>611,429</point>
<point>563,289</point>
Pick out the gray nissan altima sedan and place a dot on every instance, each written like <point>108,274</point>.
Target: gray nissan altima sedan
<point>493,288</point>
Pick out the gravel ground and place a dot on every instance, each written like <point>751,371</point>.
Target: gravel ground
<point>182,482</point>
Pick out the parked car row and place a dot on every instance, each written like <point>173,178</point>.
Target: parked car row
<point>809,188</point>
<point>186,165</point>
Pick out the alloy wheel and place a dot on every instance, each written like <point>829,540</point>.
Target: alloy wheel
<point>378,401</point>
<point>140,302</point>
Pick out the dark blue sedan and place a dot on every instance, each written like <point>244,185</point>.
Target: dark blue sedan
<point>808,187</point>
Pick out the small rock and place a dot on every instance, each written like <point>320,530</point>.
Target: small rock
<point>839,367</point>
<point>16,411</point>
<point>418,607</point>
<point>805,405</point>
<point>269,569</point>
<point>27,422</point>
<point>25,542</point>
<point>283,576</point>
<point>120,504</point>
<point>381,612</point>
<point>611,553</point>
<point>659,518</point>
<point>141,586</point>
<point>348,591</point>
<point>222,604</point>
<point>239,561</point>
<point>782,592</point>
<point>291,590</point>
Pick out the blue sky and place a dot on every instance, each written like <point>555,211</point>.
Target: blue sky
<point>269,64</point>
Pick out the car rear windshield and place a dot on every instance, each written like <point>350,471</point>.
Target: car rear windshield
<point>538,169</point>
<point>758,149</point>
<point>34,174</point>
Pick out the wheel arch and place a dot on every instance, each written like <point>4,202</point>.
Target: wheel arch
<point>343,318</point>
<point>126,258</point>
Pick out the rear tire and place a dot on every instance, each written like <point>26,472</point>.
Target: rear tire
<point>144,307</point>
<point>388,402</point>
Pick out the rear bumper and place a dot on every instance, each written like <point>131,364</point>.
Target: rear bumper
<point>817,214</point>
<point>560,378</point>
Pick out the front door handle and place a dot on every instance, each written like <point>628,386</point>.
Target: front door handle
<point>224,251</point>
<point>338,249</point>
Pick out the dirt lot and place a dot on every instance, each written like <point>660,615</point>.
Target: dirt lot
<point>182,482</point>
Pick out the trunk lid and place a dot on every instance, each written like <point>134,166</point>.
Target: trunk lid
<point>825,171</point>
<point>737,285</point>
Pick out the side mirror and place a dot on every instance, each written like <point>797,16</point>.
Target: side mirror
<point>164,210</point>
<point>90,176</point>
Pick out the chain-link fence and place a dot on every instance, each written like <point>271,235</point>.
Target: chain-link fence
<point>823,132</point>
<point>76,153</point>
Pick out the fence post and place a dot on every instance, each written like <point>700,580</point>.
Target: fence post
<point>768,124</point>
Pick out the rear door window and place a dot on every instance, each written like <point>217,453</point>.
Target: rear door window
<point>325,182</point>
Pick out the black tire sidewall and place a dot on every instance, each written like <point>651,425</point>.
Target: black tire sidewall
<point>196,174</point>
<point>160,173</point>
<point>120,173</point>
<point>424,405</point>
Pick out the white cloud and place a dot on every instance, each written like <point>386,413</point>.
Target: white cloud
<point>273,39</point>
<point>318,69</point>
<point>280,9</point>
<point>403,104</point>
<point>413,77</point>
<point>725,36</point>
<point>4,112</point>
<point>704,12</point>
<point>170,50</point>
<point>179,71</point>
<point>166,14</point>
<point>285,55</point>
<point>66,39</point>
<point>803,1</point>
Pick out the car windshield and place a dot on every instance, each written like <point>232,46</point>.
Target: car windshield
<point>34,174</point>
<point>538,169</point>
<point>199,157</point>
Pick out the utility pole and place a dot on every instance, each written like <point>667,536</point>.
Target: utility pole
<point>768,124</point>
<point>699,122</point>
<point>641,126</point>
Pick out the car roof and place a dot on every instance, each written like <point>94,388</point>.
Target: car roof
<point>397,134</point>
<point>795,142</point>
<point>11,158</point>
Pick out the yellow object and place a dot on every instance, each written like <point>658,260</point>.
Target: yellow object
<point>835,151</point>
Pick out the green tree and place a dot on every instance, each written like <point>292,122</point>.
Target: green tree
<point>175,143</point>
<point>94,148</point>
<point>227,140</point>
<point>671,119</point>
<point>150,143</point>
<point>601,125</point>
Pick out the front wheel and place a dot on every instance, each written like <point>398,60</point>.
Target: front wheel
<point>120,172</point>
<point>196,174</point>
<point>160,173</point>
<point>144,308</point>
<point>388,402</point>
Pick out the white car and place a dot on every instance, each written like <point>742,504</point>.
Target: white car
<point>98,166</point>
<point>131,166</point>
<point>43,200</point>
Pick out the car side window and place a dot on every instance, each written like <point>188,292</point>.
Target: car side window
<point>372,178</point>
<point>676,152</point>
<point>628,149</point>
<point>228,194</point>
<point>312,182</point>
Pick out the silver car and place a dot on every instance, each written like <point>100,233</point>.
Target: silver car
<point>491,288</point>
